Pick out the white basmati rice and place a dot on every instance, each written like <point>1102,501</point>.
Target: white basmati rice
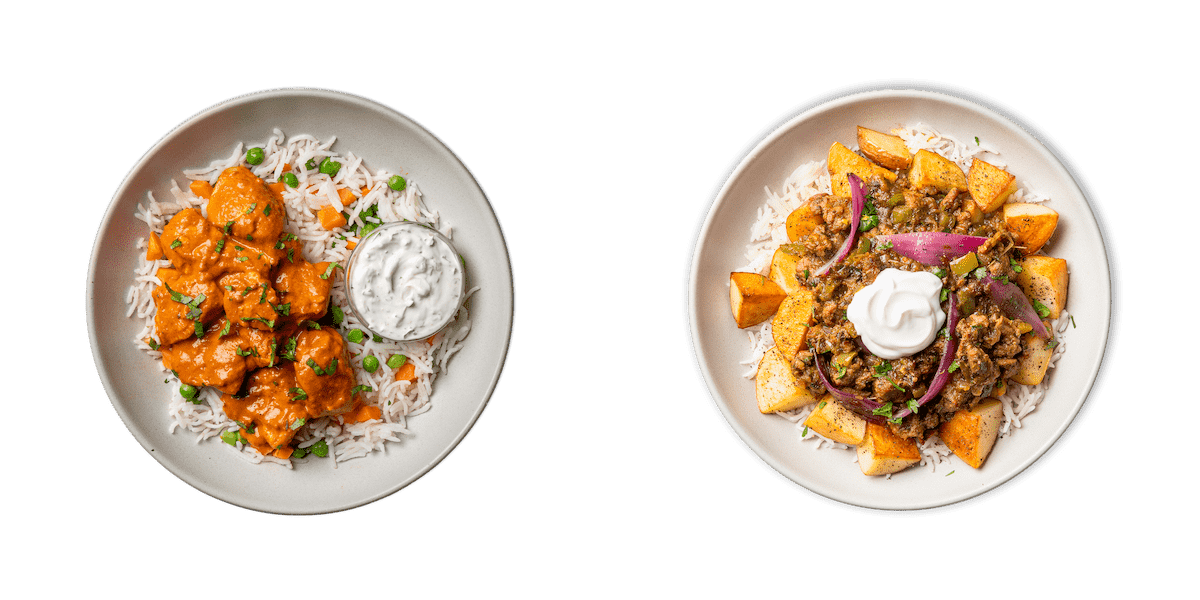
<point>769,232</point>
<point>397,400</point>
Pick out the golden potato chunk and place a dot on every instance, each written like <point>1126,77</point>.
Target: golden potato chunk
<point>1033,362</point>
<point>1044,280</point>
<point>932,169</point>
<point>989,185</point>
<point>803,221</point>
<point>775,386</point>
<point>970,434</point>
<point>792,320</point>
<point>836,422</point>
<point>882,452</point>
<point>843,160</point>
<point>783,267</point>
<point>888,150</point>
<point>1030,224</point>
<point>753,298</point>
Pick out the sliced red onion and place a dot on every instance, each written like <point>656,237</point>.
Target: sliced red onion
<point>943,372</point>
<point>857,202</point>
<point>1015,305</point>
<point>862,405</point>
<point>932,247</point>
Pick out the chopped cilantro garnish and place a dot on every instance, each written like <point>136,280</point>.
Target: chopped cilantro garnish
<point>361,388</point>
<point>953,367</point>
<point>1041,309</point>
<point>199,329</point>
<point>336,313</point>
<point>329,271</point>
<point>330,370</point>
<point>267,210</point>
<point>298,423</point>
<point>220,245</point>
<point>1016,267</point>
<point>299,394</point>
<point>228,227</point>
<point>320,449</point>
<point>176,244</point>
<point>250,209</point>
<point>882,369</point>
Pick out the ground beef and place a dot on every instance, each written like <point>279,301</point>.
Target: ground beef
<point>988,341</point>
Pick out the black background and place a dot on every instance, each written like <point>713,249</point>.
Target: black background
<point>612,435</point>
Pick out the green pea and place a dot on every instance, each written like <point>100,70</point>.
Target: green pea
<point>188,391</point>
<point>338,315</point>
<point>255,156</point>
<point>320,449</point>
<point>299,453</point>
<point>291,180</point>
<point>396,361</point>
<point>397,183</point>
<point>330,167</point>
<point>311,164</point>
<point>370,363</point>
<point>376,337</point>
<point>356,336</point>
<point>367,228</point>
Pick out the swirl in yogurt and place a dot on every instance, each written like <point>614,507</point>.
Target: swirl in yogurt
<point>899,314</point>
<point>405,281</point>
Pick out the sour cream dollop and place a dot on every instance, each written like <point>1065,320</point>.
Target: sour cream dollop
<point>899,314</point>
<point>405,281</point>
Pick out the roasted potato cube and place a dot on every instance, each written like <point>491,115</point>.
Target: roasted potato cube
<point>931,169</point>
<point>1035,359</point>
<point>790,327</point>
<point>753,298</point>
<point>882,452</point>
<point>783,267</point>
<point>843,160</point>
<point>803,221</point>
<point>970,434</point>
<point>1030,224</point>
<point>989,185</point>
<point>836,422</point>
<point>775,386</point>
<point>888,150</point>
<point>1044,280</point>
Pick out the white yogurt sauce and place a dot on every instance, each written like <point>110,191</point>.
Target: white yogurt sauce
<point>899,314</point>
<point>405,281</point>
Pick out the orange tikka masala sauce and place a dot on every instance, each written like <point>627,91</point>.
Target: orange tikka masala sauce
<point>238,311</point>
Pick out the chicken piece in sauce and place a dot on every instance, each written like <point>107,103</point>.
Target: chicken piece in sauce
<point>257,341</point>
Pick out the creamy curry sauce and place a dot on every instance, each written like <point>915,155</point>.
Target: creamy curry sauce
<point>238,311</point>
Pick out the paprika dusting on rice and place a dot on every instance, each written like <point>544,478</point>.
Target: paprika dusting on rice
<point>241,290</point>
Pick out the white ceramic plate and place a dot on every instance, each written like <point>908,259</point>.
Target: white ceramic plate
<point>720,345</point>
<point>384,138</point>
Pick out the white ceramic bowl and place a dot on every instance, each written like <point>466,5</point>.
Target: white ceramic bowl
<point>720,345</point>
<point>384,138</point>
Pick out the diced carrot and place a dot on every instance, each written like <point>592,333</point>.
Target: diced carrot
<point>362,412</point>
<point>351,244</point>
<point>346,196</point>
<point>406,372</point>
<point>371,413</point>
<point>201,188</point>
<point>364,190</point>
<point>154,247</point>
<point>330,217</point>
<point>287,167</point>
<point>431,339</point>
